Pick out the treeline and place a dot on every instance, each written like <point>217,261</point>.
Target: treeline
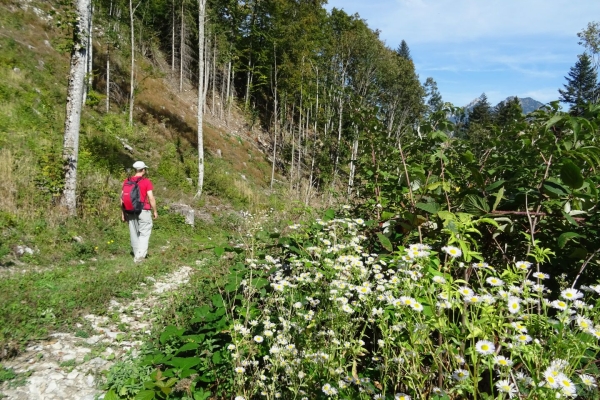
<point>303,73</point>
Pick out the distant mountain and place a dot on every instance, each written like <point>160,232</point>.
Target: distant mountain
<point>527,103</point>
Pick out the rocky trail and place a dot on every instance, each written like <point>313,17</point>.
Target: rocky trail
<point>70,366</point>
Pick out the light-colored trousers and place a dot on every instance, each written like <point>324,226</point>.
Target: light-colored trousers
<point>140,228</point>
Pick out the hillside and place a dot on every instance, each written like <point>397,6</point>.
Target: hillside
<point>38,243</point>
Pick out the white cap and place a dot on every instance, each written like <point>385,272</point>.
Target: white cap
<point>139,165</point>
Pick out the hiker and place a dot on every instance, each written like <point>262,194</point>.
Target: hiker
<point>137,201</point>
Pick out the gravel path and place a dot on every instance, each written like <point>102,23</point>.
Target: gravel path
<point>69,366</point>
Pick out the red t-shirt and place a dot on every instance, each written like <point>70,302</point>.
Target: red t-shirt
<point>145,185</point>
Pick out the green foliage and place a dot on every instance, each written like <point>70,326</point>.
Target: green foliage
<point>582,85</point>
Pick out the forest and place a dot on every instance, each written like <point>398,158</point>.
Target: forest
<point>395,246</point>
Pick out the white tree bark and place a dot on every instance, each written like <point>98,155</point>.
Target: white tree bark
<point>108,78</point>
<point>181,49</point>
<point>89,60</point>
<point>132,78</point>
<point>276,117</point>
<point>201,94</point>
<point>74,104</point>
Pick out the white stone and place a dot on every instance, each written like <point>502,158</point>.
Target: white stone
<point>72,375</point>
<point>52,386</point>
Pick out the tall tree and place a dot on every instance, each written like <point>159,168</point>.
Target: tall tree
<point>403,51</point>
<point>508,113</point>
<point>433,97</point>
<point>482,112</point>
<point>132,10</point>
<point>590,39</point>
<point>581,86</point>
<point>201,94</point>
<point>75,92</point>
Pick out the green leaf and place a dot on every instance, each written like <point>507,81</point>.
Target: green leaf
<point>570,219</point>
<point>217,300</point>
<point>217,357</point>
<point>187,347</point>
<point>219,251</point>
<point>494,185</point>
<point>111,395</point>
<point>431,208</point>
<point>498,198</point>
<point>169,332</point>
<point>385,242</point>
<point>145,395</point>
<point>184,362</point>
<point>564,238</point>
<point>552,121</point>
<point>554,188</point>
<point>329,215</point>
<point>476,205</point>
<point>570,174</point>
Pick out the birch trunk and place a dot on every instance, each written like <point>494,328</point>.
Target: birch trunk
<point>74,104</point>
<point>132,77</point>
<point>107,78</point>
<point>353,165</point>
<point>89,59</point>
<point>229,75</point>
<point>173,38</point>
<point>181,50</point>
<point>214,76</point>
<point>275,105</point>
<point>201,92</point>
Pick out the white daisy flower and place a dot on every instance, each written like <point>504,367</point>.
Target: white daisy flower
<point>523,265</point>
<point>438,279</point>
<point>559,304</point>
<point>588,381</point>
<point>465,291</point>
<point>540,275</point>
<point>240,370</point>
<point>452,251</point>
<point>505,386</point>
<point>503,361</point>
<point>493,281</point>
<point>485,347</point>
<point>401,396</point>
<point>571,294</point>
<point>460,374</point>
<point>514,304</point>
<point>258,339</point>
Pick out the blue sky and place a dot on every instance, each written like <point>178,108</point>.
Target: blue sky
<point>500,47</point>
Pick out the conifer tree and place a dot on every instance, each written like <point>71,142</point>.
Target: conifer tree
<point>482,112</point>
<point>433,97</point>
<point>581,86</point>
<point>403,50</point>
<point>508,112</point>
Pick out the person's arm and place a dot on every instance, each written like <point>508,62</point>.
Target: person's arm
<point>122,208</point>
<point>152,203</point>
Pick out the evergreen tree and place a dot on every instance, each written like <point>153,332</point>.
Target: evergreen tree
<point>482,112</point>
<point>403,51</point>
<point>581,86</point>
<point>508,113</point>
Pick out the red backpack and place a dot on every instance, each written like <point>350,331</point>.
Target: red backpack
<point>131,197</point>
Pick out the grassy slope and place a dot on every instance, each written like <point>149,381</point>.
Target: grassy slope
<point>79,264</point>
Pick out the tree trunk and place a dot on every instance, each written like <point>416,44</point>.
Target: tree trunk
<point>181,50</point>
<point>201,92</point>
<point>132,77</point>
<point>107,78</point>
<point>229,74</point>
<point>173,38</point>
<point>74,104</point>
<point>214,76</point>
<point>276,118</point>
<point>89,59</point>
<point>353,164</point>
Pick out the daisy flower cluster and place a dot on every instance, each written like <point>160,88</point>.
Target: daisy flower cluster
<point>327,318</point>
